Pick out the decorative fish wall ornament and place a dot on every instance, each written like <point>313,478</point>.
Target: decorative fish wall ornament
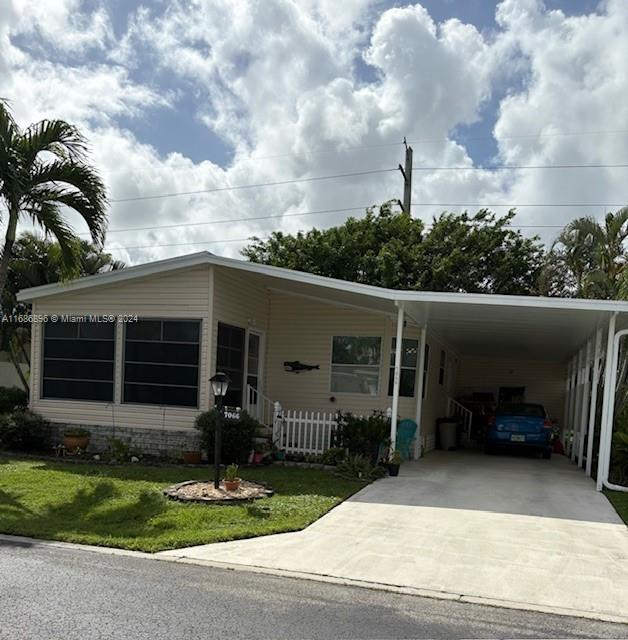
<point>297,367</point>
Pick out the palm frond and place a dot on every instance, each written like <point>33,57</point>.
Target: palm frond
<point>47,214</point>
<point>87,195</point>
<point>58,137</point>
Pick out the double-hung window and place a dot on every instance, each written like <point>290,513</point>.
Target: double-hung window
<point>78,362</point>
<point>355,364</point>
<point>409,353</point>
<point>161,362</point>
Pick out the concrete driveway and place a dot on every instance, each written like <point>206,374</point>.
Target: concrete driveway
<point>511,531</point>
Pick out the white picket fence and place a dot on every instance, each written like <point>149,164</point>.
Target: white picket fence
<point>303,431</point>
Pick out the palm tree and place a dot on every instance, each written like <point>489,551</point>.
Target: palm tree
<point>44,169</point>
<point>37,261</point>
<point>595,255</point>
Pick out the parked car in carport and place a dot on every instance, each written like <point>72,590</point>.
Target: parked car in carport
<point>520,425</point>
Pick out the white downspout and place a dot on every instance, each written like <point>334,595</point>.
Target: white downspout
<point>573,394</point>
<point>397,377</point>
<point>608,399</point>
<point>593,405</point>
<point>586,395</point>
<point>577,414</point>
<point>419,394</point>
<point>563,432</point>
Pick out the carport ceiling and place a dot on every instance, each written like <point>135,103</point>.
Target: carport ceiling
<point>524,332</point>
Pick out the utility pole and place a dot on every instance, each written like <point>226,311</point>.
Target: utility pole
<point>406,172</point>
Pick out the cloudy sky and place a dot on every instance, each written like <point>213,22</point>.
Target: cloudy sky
<point>180,96</point>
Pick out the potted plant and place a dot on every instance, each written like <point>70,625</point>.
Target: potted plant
<point>393,464</point>
<point>261,449</point>
<point>191,457</point>
<point>231,480</point>
<point>76,439</point>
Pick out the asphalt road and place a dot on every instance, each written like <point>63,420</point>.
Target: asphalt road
<point>63,594</point>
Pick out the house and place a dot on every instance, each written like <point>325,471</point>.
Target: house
<point>130,353</point>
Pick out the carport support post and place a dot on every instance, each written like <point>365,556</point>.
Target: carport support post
<point>418,449</point>
<point>586,394</point>
<point>397,377</point>
<point>593,405</point>
<point>608,398</point>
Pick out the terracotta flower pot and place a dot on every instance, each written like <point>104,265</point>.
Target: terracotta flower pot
<point>72,443</point>
<point>192,457</point>
<point>232,485</point>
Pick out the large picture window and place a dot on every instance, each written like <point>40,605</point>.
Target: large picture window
<point>78,362</point>
<point>355,364</point>
<point>409,352</point>
<point>161,360</point>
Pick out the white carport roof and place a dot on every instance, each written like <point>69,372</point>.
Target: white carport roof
<point>474,324</point>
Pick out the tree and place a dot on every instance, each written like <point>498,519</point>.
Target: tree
<point>593,255</point>
<point>478,253</point>
<point>379,249</point>
<point>44,169</point>
<point>387,248</point>
<point>37,261</point>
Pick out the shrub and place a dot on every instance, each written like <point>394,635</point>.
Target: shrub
<point>360,467</point>
<point>619,458</point>
<point>76,432</point>
<point>333,456</point>
<point>24,430</point>
<point>11,398</point>
<point>238,436</point>
<point>361,436</point>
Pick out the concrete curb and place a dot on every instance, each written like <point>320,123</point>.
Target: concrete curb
<point>377,586</point>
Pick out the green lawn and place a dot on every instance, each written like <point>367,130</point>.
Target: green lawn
<point>122,506</point>
<point>620,501</point>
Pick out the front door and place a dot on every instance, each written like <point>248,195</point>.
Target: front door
<point>230,360</point>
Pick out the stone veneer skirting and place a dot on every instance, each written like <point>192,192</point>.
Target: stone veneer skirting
<point>157,442</point>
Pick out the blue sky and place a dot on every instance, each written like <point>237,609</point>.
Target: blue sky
<point>193,95</point>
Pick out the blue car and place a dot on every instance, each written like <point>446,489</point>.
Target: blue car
<point>519,425</point>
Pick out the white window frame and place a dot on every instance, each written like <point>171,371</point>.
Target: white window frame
<point>391,367</point>
<point>378,367</point>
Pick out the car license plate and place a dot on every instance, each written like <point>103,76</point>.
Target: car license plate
<point>517,438</point>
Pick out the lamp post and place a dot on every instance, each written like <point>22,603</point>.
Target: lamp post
<point>220,384</point>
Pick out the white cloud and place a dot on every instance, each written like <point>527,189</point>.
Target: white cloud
<point>63,24</point>
<point>277,81</point>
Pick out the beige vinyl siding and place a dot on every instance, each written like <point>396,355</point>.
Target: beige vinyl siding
<point>181,294</point>
<point>302,328</point>
<point>241,300</point>
<point>435,402</point>
<point>544,382</point>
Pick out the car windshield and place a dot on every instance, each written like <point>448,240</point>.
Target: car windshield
<point>528,410</point>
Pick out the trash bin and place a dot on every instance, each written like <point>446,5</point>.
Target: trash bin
<point>447,431</point>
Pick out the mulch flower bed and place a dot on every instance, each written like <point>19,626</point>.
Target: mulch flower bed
<point>204,491</point>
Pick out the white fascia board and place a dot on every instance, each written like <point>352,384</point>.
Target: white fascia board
<point>494,300</point>
<point>205,257</point>
<point>110,277</point>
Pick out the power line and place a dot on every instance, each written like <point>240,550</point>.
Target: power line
<point>381,145</point>
<point>508,167</point>
<point>254,186</point>
<point>364,207</point>
<point>201,242</point>
<point>363,173</point>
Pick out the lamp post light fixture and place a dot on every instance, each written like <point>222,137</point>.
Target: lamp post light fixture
<point>220,383</point>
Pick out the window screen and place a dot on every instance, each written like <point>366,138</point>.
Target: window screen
<point>78,362</point>
<point>161,359</point>
<point>355,364</point>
